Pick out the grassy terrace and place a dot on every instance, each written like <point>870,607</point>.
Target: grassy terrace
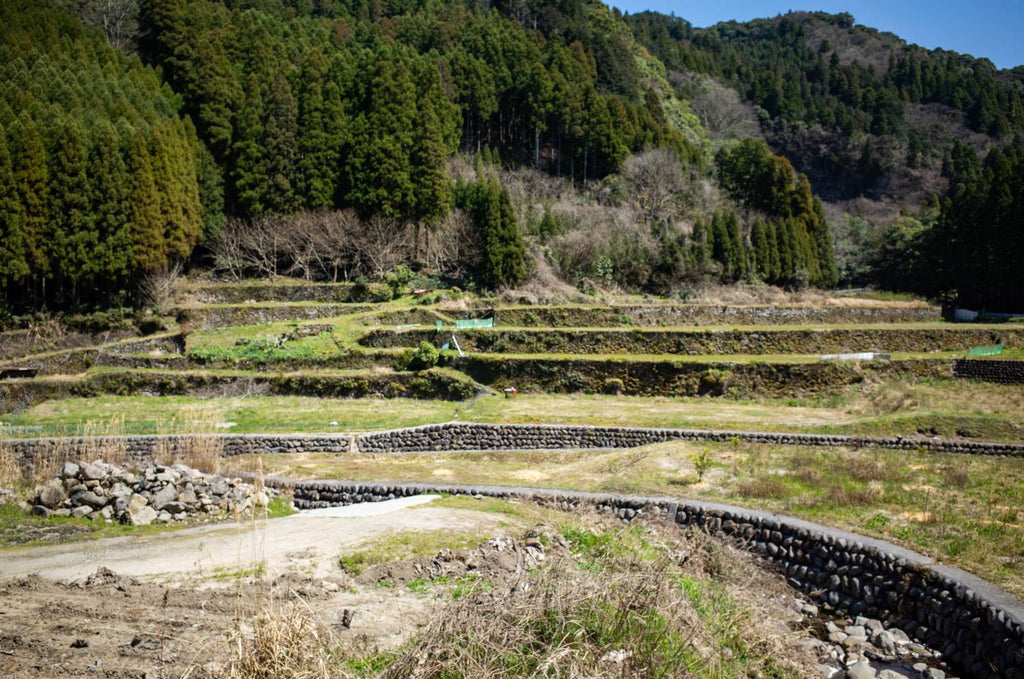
<point>897,407</point>
<point>958,509</point>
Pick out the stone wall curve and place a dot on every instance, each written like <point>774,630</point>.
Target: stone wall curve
<point>978,627</point>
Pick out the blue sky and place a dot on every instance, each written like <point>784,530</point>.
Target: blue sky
<point>983,28</point>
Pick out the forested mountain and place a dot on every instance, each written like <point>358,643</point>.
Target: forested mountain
<point>324,138</point>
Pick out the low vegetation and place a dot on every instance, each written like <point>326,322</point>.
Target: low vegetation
<point>941,407</point>
<point>961,510</point>
<point>606,601</point>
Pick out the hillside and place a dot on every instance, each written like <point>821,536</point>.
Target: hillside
<point>336,140</point>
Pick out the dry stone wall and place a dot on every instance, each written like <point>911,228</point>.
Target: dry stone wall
<point>597,374</point>
<point>239,293</point>
<point>208,317</point>
<point>465,436</point>
<point>779,340</point>
<point>168,447</point>
<point>700,314</point>
<point>978,627</point>
<point>1000,371</point>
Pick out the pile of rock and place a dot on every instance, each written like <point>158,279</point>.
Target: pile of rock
<point>156,494</point>
<point>864,648</point>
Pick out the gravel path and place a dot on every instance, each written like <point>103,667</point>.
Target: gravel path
<point>309,542</point>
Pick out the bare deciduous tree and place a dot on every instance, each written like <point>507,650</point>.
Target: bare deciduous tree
<point>118,19</point>
<point>655,178</point>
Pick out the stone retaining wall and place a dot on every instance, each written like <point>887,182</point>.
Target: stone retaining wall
<point>1003,372</point>
<point>208,317</point>
<point>167,447</point>
<point>682,343</point>
<point>298,291</point>
<point>681,377</point>
<point>465,436</point>
<point>462,436</point>
<point>699,314</point>
<point>978,627</point>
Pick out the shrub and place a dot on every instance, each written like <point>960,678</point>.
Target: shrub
<point>424,357</point>
<point>614,386</point>
<point>702,462</point>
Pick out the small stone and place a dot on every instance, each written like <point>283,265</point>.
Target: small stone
<point>63,511</point>
<point>70,470</point>
<point>81,511</point>
<point>933,673</point>
<point>885,642</point>
<point>809,610</point>
<point>857,631</point>
<point>891,674</point>
<point>862,669</point>
<point>899,636</point>
<point>163,517</point>
<point>79,643</point>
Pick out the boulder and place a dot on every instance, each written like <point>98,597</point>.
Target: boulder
<point>165,495</point>
<point>93,471</point>
<point>138,512</point>
<point>51,494</point>
<point>88,498</point>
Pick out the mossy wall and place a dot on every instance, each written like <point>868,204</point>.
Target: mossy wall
<point>704,342</point>
<point>679,378</point>
<point>698,314</point>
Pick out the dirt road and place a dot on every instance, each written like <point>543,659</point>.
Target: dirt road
<point>161,610</point>
<point>310,543</point>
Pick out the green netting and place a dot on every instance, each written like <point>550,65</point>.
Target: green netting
<point>472,323</point>
<point>989,350</point>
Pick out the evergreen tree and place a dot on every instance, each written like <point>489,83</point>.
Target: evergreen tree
<point>109,194</point>
<point>147,232</point>
<point>318,156</point>
<point>281,147</point>
<point>431,186</point>
<point>31,182</point>
<point>379,166</point>
<point>762,252</point>
<point>249,169</point>
<point>13,246</point>
<point>71,238</point>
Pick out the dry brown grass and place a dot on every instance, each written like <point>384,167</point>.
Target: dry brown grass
<point>763,487</point>
<point>842,496</point>
<point>956,475</point>
<point>277,642</point>
<point>10,466</point>
<point>196,448</point>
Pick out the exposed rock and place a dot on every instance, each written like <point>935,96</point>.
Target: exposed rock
<point>165,495</point>
<point>156,494</point>
<point>861,670</point>
<point>51,494</point>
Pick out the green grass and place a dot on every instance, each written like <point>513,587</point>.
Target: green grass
<point>21,529</point>
<point>407,545</point>
<point>943,407</point>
